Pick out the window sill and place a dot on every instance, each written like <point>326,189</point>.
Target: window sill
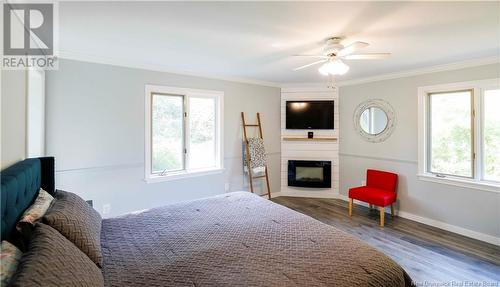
<point>485,186</point>
<point>183,174</point>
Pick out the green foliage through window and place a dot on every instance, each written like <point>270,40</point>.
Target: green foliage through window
<point>167,133</point>
<point>451,133</point>
<point>491,135</point>
<point>459,142</point>
<point>169,141</point>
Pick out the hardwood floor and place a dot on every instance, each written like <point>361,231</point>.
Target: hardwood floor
<point>428,254</point>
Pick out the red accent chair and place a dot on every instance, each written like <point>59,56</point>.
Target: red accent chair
<point>380,190</point>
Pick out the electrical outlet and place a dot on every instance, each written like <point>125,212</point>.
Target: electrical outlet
<point>226,187</point>
<point>106,208</point>
<point>363,182</point>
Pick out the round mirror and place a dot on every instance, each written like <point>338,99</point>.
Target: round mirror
<point>373,120</point>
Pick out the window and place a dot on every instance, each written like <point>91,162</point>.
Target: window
<point>167,133</point>
<point>491,140</point>
<point>450,130</point>
<point>183,132</point>
<point>459,134</point>
<point>35,122</point>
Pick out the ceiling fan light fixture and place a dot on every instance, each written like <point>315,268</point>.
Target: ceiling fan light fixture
<point>323,70</point>
<point>333,67</point>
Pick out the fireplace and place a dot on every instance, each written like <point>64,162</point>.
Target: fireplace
<point>309,173</point>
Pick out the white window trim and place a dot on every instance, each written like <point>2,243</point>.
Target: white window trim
<point>219,168</point>
<point>423,174</point>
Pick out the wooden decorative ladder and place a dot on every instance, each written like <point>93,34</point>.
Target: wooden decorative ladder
<point>247,158</point>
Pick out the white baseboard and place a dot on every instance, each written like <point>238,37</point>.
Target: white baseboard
<point>276,194</point>
<point>441,225</point>
<point>299,193</point>
<point>452,228</point>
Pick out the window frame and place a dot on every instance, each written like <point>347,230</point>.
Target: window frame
<point>485,87</point>
<point>477,117</point>
<point>186,94</point>
<point>429,131</point>
<point>183,97</point>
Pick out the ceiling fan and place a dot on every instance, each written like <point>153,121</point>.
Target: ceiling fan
<point>333,54</point>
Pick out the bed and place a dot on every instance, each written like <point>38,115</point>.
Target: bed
<point>234,239</point>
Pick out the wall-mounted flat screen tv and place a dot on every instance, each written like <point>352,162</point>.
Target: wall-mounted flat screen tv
<point>309,115</point>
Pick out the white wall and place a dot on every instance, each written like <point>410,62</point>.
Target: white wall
<point>95,129</point>
<point>469,211</point>
<point>13,116</point>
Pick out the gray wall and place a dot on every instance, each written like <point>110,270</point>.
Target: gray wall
<point>95,128</point>
<point>471,209</point>
<point>13,111</point>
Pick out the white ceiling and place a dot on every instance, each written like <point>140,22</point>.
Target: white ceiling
<point>255,40</point>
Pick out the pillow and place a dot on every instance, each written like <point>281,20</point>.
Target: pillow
<point>78,222</point>
<point>34,213</point>
<point>52,260</point>
<point>9,259</point>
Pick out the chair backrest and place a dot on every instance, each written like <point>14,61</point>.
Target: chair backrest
<point>381,179</point>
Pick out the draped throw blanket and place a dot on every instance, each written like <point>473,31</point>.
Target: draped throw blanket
<point>257,151</point>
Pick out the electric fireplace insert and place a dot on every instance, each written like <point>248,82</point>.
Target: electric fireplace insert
<point>308,173</point>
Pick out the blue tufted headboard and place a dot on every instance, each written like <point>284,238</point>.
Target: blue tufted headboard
<point>20,185</point>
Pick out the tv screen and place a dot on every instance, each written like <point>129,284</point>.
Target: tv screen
<point>313,115</point>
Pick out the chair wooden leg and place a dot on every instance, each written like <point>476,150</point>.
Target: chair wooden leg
<point>382,213</point>
<point>392,210</point>
<point>350,206</point>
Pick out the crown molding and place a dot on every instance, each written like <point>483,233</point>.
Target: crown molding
<point>422,71</point>
<point>128,63</point>
<point>403,74</point>
<point>292,86</point>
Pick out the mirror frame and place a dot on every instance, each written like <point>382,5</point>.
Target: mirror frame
<point>391,120</point>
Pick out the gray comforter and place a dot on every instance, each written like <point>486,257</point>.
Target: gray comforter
<point>237,239</point>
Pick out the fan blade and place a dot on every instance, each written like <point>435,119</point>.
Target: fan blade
<point>311,56</point>
<point>352,48</point>
<point>372,56</point>
<point>311,64</point>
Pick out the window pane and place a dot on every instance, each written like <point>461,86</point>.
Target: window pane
<point>201,132</point>
<point>167,132</point>
<point>491,153</point>
<point>451,133</point>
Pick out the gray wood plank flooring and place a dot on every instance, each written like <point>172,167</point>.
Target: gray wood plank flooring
<point>429,255</point>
